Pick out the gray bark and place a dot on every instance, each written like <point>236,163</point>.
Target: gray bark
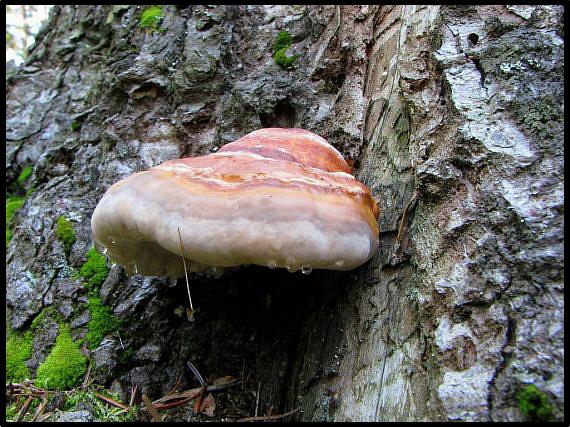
<point>454,118</point>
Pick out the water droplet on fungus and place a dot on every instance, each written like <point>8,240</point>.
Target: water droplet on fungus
<point>290,260</point>
<point>130,270</point>
<point>291,267</point>
<point>306,269</point>
<point>271,264</point>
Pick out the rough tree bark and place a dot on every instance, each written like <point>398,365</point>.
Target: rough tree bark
<point>454,119</point>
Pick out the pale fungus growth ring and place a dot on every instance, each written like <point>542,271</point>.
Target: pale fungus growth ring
<point>276,197</point>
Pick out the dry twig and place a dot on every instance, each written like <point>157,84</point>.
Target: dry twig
<point>44,417</point>
<point>153,412</point>
<point>180,398</point>
<point>222,386</point>
<point>198,401</point>
<point>133,394</point>
<point>87,376</point>
<point>24,409</point>
<point>175,385</point>
<point>29,393</point>
<point>13,387</point>
<point>110,401</point>
<point>268,417</point>
<point>40,409</point>
<point>170,405</point>
<point>187,394</point>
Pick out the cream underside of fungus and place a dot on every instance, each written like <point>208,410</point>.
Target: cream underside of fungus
<point>276,197</point>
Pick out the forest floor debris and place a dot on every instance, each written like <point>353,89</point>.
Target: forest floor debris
<point>26,402</point>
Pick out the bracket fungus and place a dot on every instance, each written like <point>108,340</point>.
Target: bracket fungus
<point>275,197</point>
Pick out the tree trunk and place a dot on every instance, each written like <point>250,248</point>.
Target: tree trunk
<point>454,119</point>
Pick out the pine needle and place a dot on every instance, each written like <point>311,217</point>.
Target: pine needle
<point>196,373</point>
<point>185,271</point>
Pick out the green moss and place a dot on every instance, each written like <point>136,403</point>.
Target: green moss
<point>151,18</point>
<point>74,126</point>
<point>101,411</point>
<point>18,352</point>
<point>101,322</point>
<point>65,233</point>
<point>534,404</point>
<point>283,60</point>
<point>11,412</point>
<point>39,320</point>
<point>282,43</point>
<point>65,366</point>
<point>49,313</point>
<point>95,269</point>
<point>13,203</point>
<point>73,399</point>
<point>24,175</point>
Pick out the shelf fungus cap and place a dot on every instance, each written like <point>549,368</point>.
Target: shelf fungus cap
<point>276,197</point>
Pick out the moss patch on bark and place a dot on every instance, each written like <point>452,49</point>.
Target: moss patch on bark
<point>65,233</point>
<point>18,352</point>
<point>65,366</point>
<point>95,269</point>
<point>101,323</point>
